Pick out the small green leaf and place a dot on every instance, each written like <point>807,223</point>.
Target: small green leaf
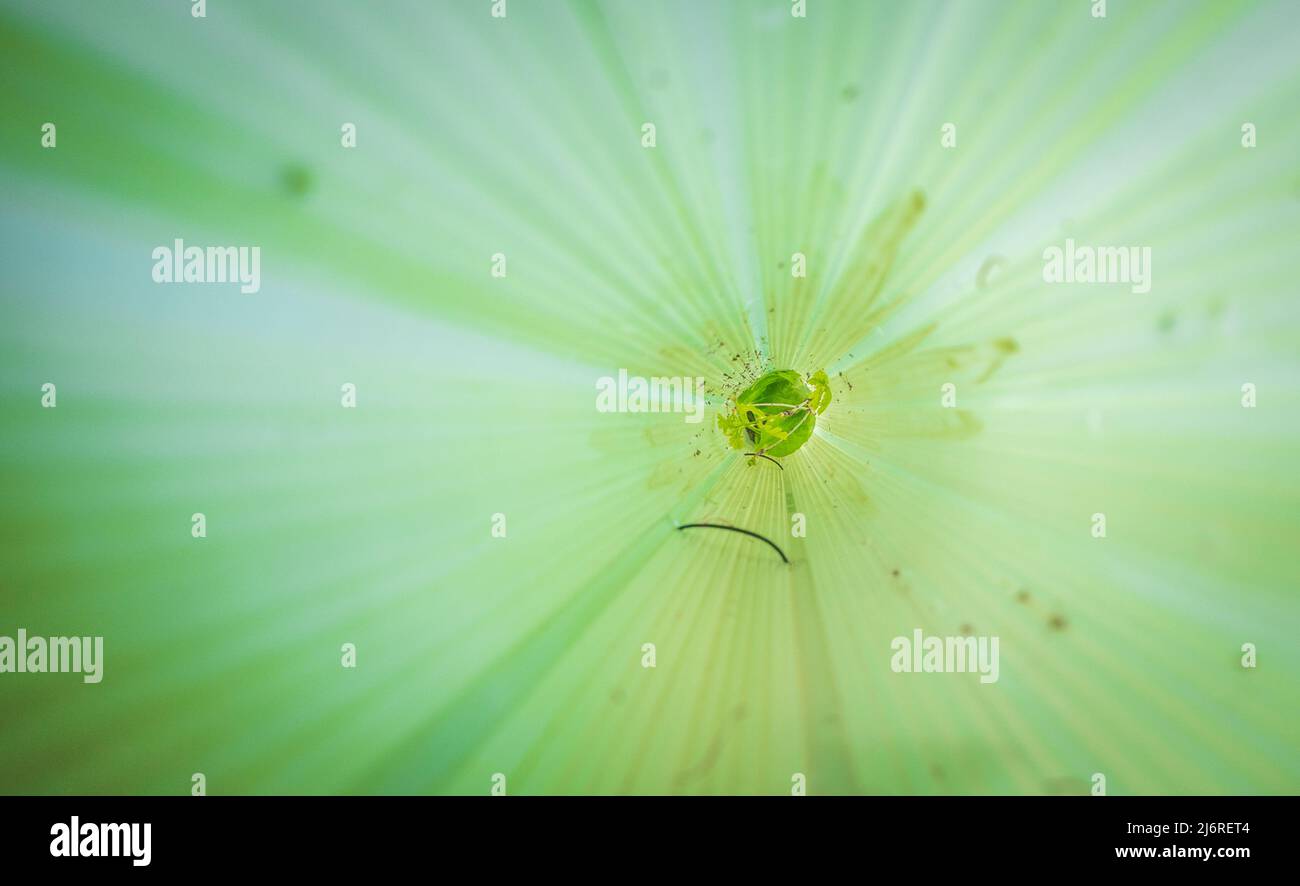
<point>776,414</point>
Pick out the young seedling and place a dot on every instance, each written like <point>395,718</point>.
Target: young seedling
<point>776,415</point>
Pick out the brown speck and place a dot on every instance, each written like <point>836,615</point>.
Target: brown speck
<point>1057,622</point>
<point>1022,596</point>
<point>966,630</point>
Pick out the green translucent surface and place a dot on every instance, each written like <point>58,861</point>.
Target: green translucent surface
<point>523,655</point>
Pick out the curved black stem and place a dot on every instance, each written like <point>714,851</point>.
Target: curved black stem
<point>737,529</point>
<point>768,457</point>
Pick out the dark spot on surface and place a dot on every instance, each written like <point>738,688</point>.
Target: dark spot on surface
<point>1065,785</point>
<point>965,630</point>
<point>296,180</point>
<point>850,92</point>
<point>895,573</point>
<point>1057,622</point>
<point>1022,596</point>
<point>1166,322</point>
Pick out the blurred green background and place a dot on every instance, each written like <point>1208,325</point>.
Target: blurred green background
<point>523,655</point>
